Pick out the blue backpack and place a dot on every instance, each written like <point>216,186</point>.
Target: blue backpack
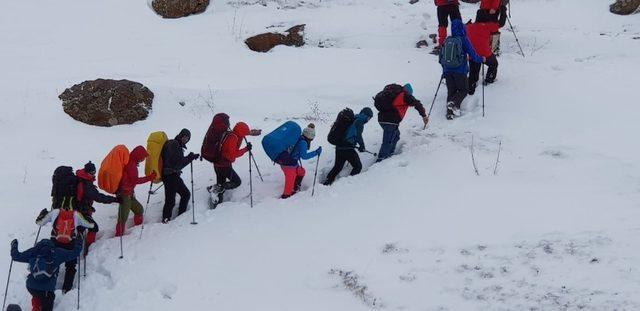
<point>452,54</point>
<point>41,266</point>
<point>281,142</point>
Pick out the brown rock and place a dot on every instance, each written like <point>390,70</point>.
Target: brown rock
<point>104,102</point>
<point>625,7</point>
<point>267,41</point>
<point>179,8</point>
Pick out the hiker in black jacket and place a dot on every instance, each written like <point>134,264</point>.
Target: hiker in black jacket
<point>173,161</point>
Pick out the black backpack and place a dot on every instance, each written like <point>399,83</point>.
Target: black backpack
<point>64,187</point>
<point>383,101</point>
<point>339,128</point>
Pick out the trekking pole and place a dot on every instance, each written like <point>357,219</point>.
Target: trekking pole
<point>144,213</point>
<point>37,236</point>
<point>80,263</point>
<point>372,153</point>
<point>193,201</point>
<point>482,89</point>
<point>6,289</point>
<point>159,187</point>
<point>315,176</point>
<point>434,99</point>
<point>251,157</point>
<point>514,34</point>
<point>121,252</point>
<point>250,179</point>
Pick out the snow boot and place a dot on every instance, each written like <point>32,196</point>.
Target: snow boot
<point>166,220</point>
<point>138,219</point>
<point>119,229</point>
<point>472,88</point>
<point>297,184</point>
<point>284,196</point>
<point>436,50</point>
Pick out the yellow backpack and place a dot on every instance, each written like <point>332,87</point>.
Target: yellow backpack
<point>155,142</point>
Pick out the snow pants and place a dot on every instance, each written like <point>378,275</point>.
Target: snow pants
<point>474,71</point>
<point>41,300</point>
<point>390,138</point>
<point>173,184</point>
<point>457,87</point>
<point>293,176</point>
<point>342,156</point>
<point>227,178</point>
<point>446,12</point>
<point>129,203</point>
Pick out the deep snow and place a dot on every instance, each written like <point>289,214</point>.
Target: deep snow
<point>555,229</point>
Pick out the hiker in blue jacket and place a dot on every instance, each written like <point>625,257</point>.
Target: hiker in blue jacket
<point>346,152</point>
<point>44,261</point>
<point>291,167</point>
<point>455,67</point>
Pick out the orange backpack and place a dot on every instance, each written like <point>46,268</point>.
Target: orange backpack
<point>112,167</point>
<point>65,227</point>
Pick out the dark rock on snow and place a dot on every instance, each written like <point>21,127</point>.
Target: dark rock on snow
<point>267,41</point>
<point>470,1</point>
<point>422,43</point>
<point>179,8</point>
<point>104,102</point>
<point>625,7</point>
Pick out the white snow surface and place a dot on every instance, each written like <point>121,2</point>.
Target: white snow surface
<point>555,229</point>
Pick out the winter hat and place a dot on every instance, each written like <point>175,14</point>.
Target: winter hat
<point>407,87</point>
<point>184,133</point>
<point>309,132</point>
<point>367,112</point>
<point>90,168</point>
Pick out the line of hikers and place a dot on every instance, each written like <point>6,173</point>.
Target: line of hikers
<point>73,194</point>
<point>477,42</point>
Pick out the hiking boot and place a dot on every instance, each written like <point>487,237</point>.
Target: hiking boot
<point>472,88</point>
<point>297,184</point>
<point>166,221</point>
<point>215,188</point>
<point>450,107</point>
<point>285,196</point>
<point>488,81</point>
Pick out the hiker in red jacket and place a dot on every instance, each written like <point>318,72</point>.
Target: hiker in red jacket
<point>226,177</point>
<point>126,188</point>
<point>479,34</point>
<point>447,9</point>
<point>495,12</point>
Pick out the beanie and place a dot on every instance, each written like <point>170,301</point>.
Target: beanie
<point>90,168</point>
<point>407,87</point>
<point>309,132</point>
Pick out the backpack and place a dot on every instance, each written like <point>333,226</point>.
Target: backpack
<point>64,226</point>
<point>281,142</point>
<point>452,54</point>
<point>42,266</point>
<point>383,101</point>
<point>63,189</point>
<point>112,167</point>
<point>155,142</point>
<point>338,131</point>
<point>216,134</point>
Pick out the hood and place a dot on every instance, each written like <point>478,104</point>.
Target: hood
<point>183,133</point>
<point>241,129</point>
<point>82,174</point>
<point>365,114</point>
<point>457,28</point>
<point>138,154</point>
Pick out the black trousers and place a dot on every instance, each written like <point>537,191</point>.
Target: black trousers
<point>46,299</point>
<point>446,12</point>
<point>69,266</point>
<point>227,178</point>
<point>457,87</point>
<point>342,156</point>
<point>474,71</point>
<point>173,185</point>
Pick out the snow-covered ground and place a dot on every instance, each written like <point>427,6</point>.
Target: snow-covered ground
<point>556,228</point>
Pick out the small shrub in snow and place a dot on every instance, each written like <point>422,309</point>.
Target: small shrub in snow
<point>351,282</point>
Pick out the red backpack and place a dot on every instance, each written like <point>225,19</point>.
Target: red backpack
<point>212,145</point>
<point>64,227</point>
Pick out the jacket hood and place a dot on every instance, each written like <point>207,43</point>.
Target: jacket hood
<point>82,174</point>
<point>365,112</point>
<point>457,28</point>
<point>138,154</point>
<point>241,129</point>
<point>183,133</point>
<point>363,117</point>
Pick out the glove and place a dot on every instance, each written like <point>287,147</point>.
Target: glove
<point>42,214</point>
<point>114,200</point>
<point>249,146</point>
<point>119,199</point>
<point>319,150</point>
<point>14,244</point>
<point>361,148</point>
<point>153,175</point>
<point>95,227</point>
<point>425,119</point>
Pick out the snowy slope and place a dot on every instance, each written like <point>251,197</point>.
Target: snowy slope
<point>555,228</point>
